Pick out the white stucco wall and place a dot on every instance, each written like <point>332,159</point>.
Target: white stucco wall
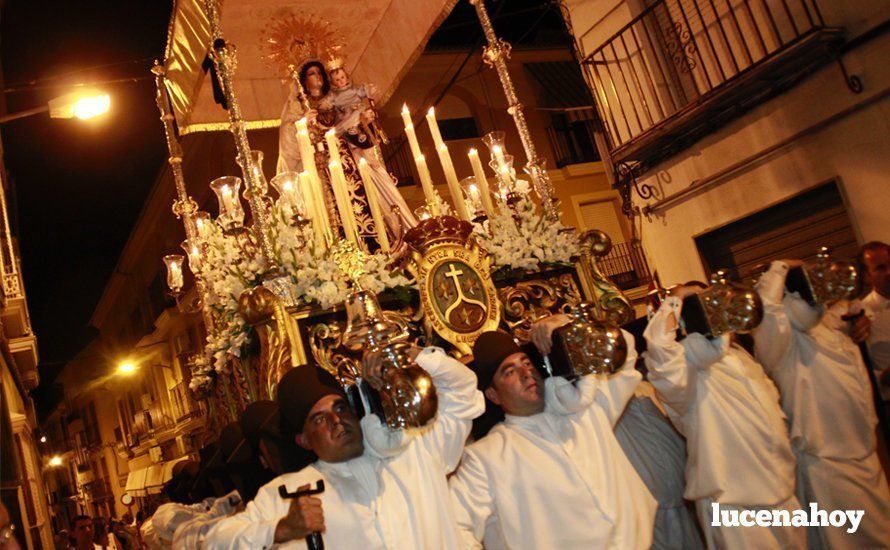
<point>846,137</point>
<point>854,149</point>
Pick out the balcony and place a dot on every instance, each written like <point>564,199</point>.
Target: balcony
<point>682,68</point>
<point>625,265</point>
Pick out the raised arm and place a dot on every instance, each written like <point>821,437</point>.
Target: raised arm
<point>610,392</point>
<point>252,528</point>
<point>665,357</point>
<point>459,403</point>
<point>774,338</point>
<point>471,496</point>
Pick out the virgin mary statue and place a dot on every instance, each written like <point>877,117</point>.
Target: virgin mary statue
<point>324,94</point>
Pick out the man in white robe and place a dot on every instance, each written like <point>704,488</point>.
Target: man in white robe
<point>397,500</point>
<point>739,453</point>
<point>552,475</point>
<point>658,454</point>
<point>828,399</point>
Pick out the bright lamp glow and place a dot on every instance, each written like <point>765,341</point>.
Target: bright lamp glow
<point>55,461</point>
<point>89,107</point>
<point>126,368</point>
<point>82,104</point>
<point>43,439</point>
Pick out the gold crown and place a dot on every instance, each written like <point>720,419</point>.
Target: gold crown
<point>293,40</point>
<point>438,229</point>
<point>334,59</point>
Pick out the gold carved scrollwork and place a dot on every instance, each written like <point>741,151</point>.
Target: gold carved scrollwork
<point>612,306</point>
<point>325,341</point>
<point>267,314</point>
<point>527,301</point>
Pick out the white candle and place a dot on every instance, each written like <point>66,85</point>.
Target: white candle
<point>333,150</point>
<point>434,127</point>
<point>344,204</point>
<point>453,185</point>
<point>481,181</point>
<point>409,131</point>
<point>374,204</point>
<point>427,183</point>
<point>317,207</point>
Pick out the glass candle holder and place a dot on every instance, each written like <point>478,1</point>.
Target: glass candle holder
<point>290,195</point>
<point>203,224</point>
<point>174,272</point>
<point>231,214</point>
<point>506,177</point>
<point>472,196</point>
<point>193,253</point>
<point>495,139</point>
<point>256,170</point>
<point>423,213</point>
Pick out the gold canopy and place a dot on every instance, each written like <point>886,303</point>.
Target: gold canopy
<point>382,40</point>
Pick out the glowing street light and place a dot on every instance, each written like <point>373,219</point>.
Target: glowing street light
<point>43,439</point>
<point>83,104</point>
<point>55,461</point>
<point>126,368</point>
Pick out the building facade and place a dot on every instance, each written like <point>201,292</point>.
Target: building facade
<point>741,132</point>
<point>22,462</point>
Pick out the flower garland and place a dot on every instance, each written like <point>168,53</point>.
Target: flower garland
<point>521,236</point>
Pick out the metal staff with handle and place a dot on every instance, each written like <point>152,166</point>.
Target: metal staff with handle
<point>313,540</point>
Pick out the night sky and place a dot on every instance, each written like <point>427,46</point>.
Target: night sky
<point>78,187</point>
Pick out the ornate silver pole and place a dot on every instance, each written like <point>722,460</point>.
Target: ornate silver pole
<point>184,207</point>
<point>255,186</point>
<point>496,55</point>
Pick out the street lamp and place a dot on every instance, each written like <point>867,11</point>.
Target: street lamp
<point>55,461</point>
<point>126,368</point>
<point>82,104</point>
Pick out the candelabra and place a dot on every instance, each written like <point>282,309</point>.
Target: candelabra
<point>496,55</point>
<point>224,60</point>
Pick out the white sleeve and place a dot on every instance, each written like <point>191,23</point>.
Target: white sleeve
<point>471,497</point>
<point>774,337</point>
<point>252,528</point>
<point>665,357</point>
<point>459,403</point>
<point>191,534</point>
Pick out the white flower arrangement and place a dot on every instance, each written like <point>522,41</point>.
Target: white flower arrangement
<point>229,271</point>
<point>202,376</point>
<point>521,236</point>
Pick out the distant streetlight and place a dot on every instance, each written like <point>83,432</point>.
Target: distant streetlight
<point>55,461</point>
<point>126,368</point>
<point>82,104</point>
<point>43,439</point>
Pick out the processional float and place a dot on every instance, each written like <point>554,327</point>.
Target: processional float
<point>311,283</point>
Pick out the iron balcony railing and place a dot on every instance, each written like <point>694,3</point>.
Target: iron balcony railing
<point>677,53</point>
<point>626,266</point>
